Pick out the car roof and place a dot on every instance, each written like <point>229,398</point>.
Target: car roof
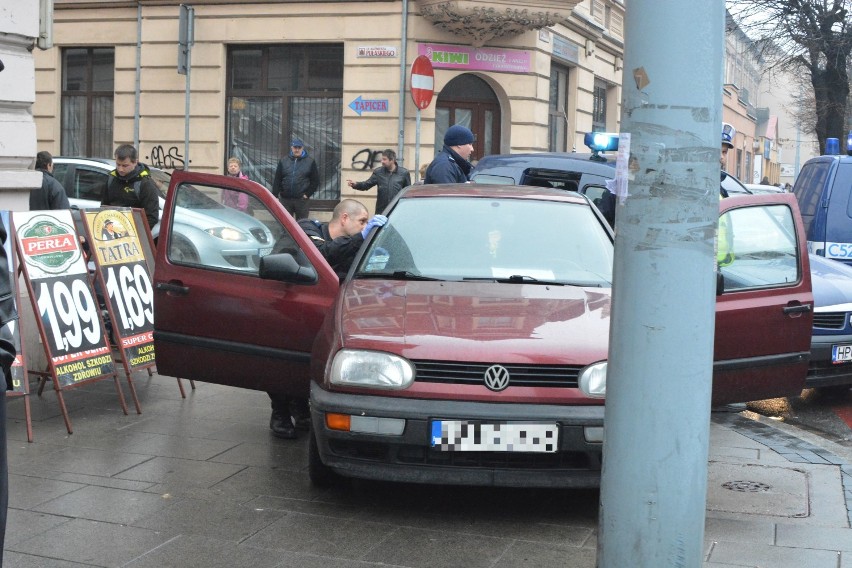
<point>573,161</point>
<point>487,190</point>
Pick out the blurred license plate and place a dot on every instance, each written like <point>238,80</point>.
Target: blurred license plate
<point>474,436</point>
<point>264,251</point>
<point>841,353</point>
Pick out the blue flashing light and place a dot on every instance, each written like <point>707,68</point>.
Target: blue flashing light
<point>832,147</point>
<point>601,141</point>
<point>849,143</point>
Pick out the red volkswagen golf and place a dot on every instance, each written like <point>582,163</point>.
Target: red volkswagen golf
<point>468,344</point>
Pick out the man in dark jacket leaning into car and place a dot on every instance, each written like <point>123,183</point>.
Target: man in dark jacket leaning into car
<point>390,178</point>
<point>296,179</point>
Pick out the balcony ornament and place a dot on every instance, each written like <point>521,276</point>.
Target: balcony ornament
<point>480,20</point>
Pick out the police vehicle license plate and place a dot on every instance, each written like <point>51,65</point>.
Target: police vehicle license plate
<point>841,353</point>
<point>476,436</point>
<point>264,251</point>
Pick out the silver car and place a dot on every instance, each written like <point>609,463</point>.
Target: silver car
<point>201,222</point>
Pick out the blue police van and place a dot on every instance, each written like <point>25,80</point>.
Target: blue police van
<point>824,192</point>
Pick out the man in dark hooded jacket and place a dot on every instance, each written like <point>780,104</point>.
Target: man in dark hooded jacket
<point>296,179</point>
<point>451,165</point>
<point>7,356</point>
<point>130,185</point>
<point>51,194</point>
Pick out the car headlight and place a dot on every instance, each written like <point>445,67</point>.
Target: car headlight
<point>372,369</point>
<point>227,234</point>
<point>592,380</point>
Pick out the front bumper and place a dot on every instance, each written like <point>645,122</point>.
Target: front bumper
<point>409,457</point>
<point>821,371</point>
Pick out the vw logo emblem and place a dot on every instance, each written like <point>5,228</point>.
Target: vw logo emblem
<point>496,377</point>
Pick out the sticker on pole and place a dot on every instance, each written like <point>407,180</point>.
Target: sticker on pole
<point>422,82</point>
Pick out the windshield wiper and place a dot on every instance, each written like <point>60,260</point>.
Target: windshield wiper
<point>513,279</point>
<point>524,279</point>
<point>396,275</point>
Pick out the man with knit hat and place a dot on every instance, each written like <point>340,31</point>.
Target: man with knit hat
<point>451,165</point>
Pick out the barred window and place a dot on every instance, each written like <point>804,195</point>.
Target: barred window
<point>87,101</point>
<point>276,92</point>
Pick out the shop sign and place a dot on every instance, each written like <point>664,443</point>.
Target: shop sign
<point>564,49</point>
<point>467,58</point>
<point>360,105</point>
<point>377,51</point>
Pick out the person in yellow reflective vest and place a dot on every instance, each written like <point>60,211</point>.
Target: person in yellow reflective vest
<point>724,254</point>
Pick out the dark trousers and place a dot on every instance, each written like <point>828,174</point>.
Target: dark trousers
<point>4,473</point>
<point>281,403</point>
<point>299,208</point>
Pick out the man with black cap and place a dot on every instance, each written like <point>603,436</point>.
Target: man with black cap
<point>296,179</point>
<point>451,165</point>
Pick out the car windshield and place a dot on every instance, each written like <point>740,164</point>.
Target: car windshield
<point>491,239</point>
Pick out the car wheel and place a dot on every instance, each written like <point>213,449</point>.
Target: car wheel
<point>183,251</point>
<point>320,474</point>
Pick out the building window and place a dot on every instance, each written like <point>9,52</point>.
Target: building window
<point>599,96</point>
<point>558,110</point>
<point>276,92</point>
<point>87,101</point>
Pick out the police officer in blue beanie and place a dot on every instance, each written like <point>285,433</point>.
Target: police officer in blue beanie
<point>451,165</point>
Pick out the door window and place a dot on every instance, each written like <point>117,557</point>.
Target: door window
<point>88,184</point>
<point>757,248</point>
<point>225,229</point>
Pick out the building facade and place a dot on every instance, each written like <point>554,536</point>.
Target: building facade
<point>523,77</point>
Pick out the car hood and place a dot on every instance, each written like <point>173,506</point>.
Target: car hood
<point>832,283</point>
<point>475,321</point>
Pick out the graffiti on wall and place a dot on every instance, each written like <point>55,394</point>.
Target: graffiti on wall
<point>365,158</point>
<point>170,159</point>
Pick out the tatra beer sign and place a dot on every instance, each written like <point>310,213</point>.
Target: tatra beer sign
<point>123,270</point>
<point>66,309</point>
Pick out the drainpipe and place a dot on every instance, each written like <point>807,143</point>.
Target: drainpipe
<point>402,72</point>
<point>138,76</point>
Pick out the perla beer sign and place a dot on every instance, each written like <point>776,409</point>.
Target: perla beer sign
<point>49,244</point>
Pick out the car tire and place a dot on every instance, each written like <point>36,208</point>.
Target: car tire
<point>320,474</point>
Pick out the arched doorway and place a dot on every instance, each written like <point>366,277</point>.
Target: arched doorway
<point>469,101</point>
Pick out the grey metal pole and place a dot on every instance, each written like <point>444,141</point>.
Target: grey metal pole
<point>403,66</point>
<point>138,95</point>
<point>417,148</point>
<point>186,111</point>
<point>654,480</point>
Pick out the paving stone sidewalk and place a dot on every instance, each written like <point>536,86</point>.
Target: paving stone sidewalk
<point>200,482</point>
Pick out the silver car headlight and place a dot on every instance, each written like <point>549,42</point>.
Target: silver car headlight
<point>227,234</point>
<point>373,369</point>
<point>592,380</point>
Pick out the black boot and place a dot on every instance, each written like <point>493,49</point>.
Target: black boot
<point>301,413</point>
<point>282,426</point>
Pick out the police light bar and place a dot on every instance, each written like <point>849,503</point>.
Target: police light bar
<point>849,143</point>
<point>832,147</point>
<point>601,141</point>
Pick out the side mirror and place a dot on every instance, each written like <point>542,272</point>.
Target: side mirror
<point>720,283</point>
<point>283,267</point>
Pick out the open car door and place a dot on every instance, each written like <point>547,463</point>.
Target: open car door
<point>764,309</point>
<point>240,290</point>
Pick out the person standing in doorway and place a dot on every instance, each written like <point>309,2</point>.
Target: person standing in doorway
<point>390,178</point>
<point>51,194</point>
<point>451,164</point>
<point>296,179</point>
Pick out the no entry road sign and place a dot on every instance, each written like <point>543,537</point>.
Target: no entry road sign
<point>422,82</point>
